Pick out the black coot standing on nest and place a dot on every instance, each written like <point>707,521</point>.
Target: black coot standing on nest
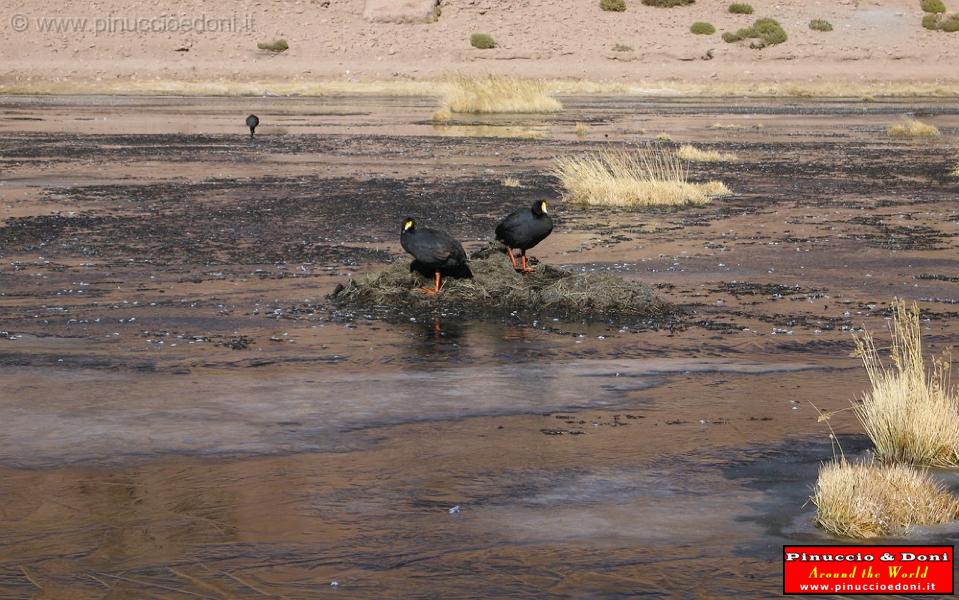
<point>523,229</point>
<point>252,121</point>
<point>434,251</point>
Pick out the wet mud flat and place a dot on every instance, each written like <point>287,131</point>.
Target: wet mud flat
<point>187,414</point>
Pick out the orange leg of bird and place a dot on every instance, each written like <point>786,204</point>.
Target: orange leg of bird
<point>436,287</point>
<point>512,258</point>
<point>525,268</point>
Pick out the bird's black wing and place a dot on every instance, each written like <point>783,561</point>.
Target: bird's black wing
<point>439,247</point>
<point>509,225</point>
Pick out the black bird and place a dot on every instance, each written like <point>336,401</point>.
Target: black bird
<point>433,249</point>
<point>252,121</point>
<point>523,229</point>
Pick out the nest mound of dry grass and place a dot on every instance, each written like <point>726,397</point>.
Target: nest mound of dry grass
<point>496,290</point>
<point>864,500</point>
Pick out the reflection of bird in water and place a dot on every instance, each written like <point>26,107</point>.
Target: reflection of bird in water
<point>523,229</point>
<point>438,341</point>
<point>252,121</point>
<point>435,251</point>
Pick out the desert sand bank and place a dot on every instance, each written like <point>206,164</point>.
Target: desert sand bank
<point>118,46</point>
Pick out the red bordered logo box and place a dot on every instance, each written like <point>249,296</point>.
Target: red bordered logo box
<point>861,570</point>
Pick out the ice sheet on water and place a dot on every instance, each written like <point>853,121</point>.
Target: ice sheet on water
<point>95,416</point>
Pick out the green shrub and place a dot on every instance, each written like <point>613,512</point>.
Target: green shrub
<point>667,3</point>
<point>931,22</point>
<point>951,24</point>
<point>279,45</point>
<point>613,5</point>
<point>483,41</point>
<point>741,8</point>
<point>622,48</point>
<point>768,31</point>
<point>820,25</point>
<point>933,6</point>
<point>702,28</point>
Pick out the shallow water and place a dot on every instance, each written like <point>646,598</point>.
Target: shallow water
<point>183,415</point>
<point>88,417</point>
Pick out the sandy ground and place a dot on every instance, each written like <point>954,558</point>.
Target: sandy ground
<point>185,415</point>
<point>103,43</point>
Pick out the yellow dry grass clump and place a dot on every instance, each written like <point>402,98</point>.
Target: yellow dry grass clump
<point>490,131</point>
<point>913,128</point>
<point>871,499</point>
<point>911,414</point>
<point>955,172</point>
<point>442,115</point>
<point>498,94</point>
<point>648,176</point>
<point>581,130</point>
<point>510,182</point>
<point>694,154</point>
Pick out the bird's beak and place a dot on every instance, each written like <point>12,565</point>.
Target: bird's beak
<point>543,206</point>
<point>407,226</point>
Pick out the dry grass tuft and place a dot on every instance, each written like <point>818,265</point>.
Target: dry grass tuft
<point>955,172</point>
<point>715,189</point>
<point>490,131</point>
<point>649,176</point>
<point>510,182</point>
<point>870,500</point>
<point>694,154</point>
<point>581,130</point>
<point>498,94</point>
<point>913,128</point>
<point>911,414</point>
<point>442,115</point>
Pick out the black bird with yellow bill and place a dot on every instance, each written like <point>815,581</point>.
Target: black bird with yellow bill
<point>523,229</point>
<point>434,250</point>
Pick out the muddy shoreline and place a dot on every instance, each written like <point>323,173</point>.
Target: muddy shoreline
<point>186,412</point>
